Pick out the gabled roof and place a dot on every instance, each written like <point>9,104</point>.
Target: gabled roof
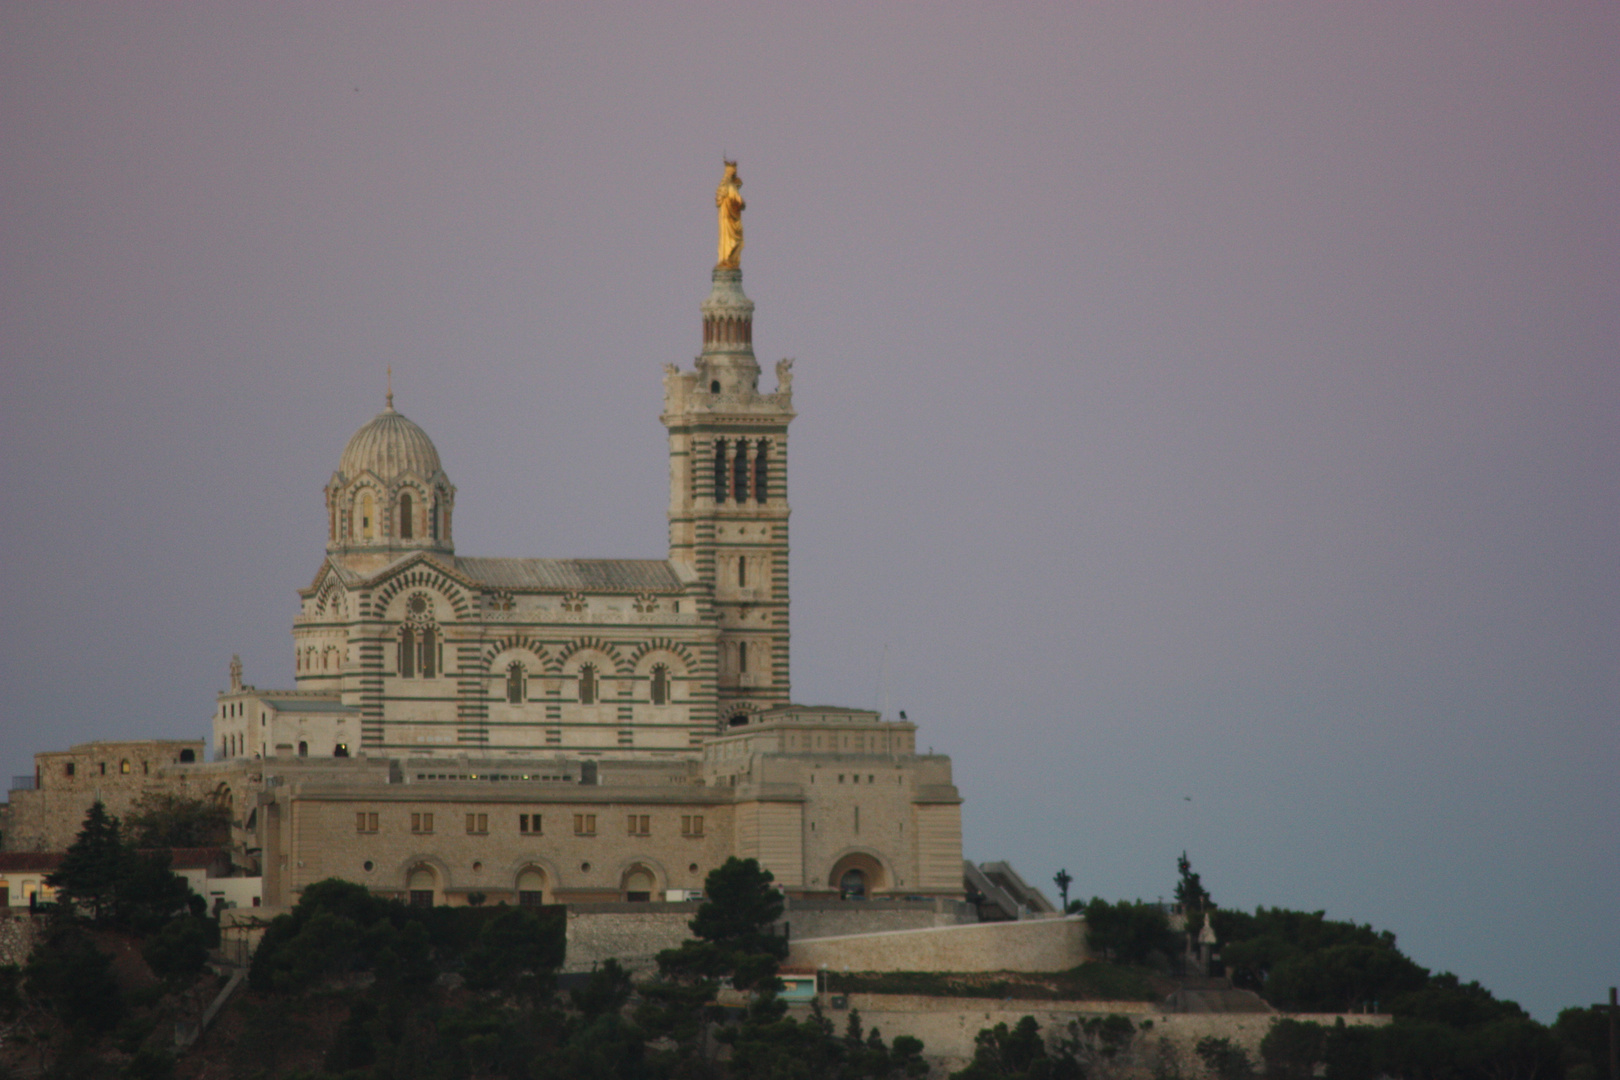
<point>573,575</point>
<point>540,575</point>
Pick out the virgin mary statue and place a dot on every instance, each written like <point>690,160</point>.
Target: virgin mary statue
<point>728,198</point>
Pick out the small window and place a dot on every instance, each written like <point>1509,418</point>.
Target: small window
<point>340,750</point>
<point>587,685</point>
<point>71,768</point>
<point>368,511</point>
<point>303,749</point>
<point>742,571</point>
<point>739,472</point>
<point>477,824</point>
<point>742,657</point>
<point>123,767</point>
<point>720,484</point>
<point>692,825</point>
<point>584,824</point>
<point>640,825</point>
<point>421,823</point>
<point>529,824</point>
<point>430,653</point>
<point>514,683</point>
<point>759,472</point>
<point>405,516</point>
<point>365,822</point>
<point>660,685</point>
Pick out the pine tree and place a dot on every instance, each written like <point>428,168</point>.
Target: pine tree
<point>94,866</point>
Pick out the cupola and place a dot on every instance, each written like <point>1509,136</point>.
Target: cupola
<point>389,492</point>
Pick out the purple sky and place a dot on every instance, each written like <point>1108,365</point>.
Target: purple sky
<point>1195,401</point>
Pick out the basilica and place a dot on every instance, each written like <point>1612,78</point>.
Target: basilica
<point>534,730</point>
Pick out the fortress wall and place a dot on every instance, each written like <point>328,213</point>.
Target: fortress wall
<point>948,1026</point>
<point>1028,945</point>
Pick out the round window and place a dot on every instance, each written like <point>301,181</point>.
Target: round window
<point>370,865</point>
<point>418,604</point>
<point>585,867</point>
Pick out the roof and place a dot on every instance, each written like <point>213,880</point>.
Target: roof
<point>294,704</point>
<point>24,861</point>
<point>580,575</point>
<point>388,446</point>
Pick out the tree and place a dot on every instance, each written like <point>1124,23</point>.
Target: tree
<point>163,820</point>
<point>1226,1061</point>
<point>73,979</point>
<point>1129,932</point>
<point>1062,880</point>
<point>88,878</point>
<point>733,928</point>
<point>1192,896</point>
<point>1292,1049</point>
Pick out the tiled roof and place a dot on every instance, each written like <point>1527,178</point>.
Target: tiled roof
<point>295,704</point>
<point>581,575</point>
<point>26,861</point>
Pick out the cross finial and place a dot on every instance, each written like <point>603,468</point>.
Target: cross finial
<point>390,395</point>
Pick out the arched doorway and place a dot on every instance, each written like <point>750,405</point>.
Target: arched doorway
<point>857,876</point>
<point>422,884</point>
<point>531,887</point>
<point>638,884</point>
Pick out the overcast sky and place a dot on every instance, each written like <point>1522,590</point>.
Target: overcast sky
<point>1207,413</point>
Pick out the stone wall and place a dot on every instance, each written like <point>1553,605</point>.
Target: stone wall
<point>18,933</point>
<point>948,1026</point>
<point>836,918</point>
<point>632,934</point>
<point>1028,945</point>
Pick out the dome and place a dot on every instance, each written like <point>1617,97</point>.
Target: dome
<point>388,446</point>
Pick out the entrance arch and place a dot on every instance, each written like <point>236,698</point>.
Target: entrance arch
<point>857,875</point>
<point>531,887</point>
<point>638,884</point>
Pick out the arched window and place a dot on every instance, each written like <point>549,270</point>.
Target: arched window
<point>660,685</point>
<point>720,484</point>
<point>368,514</point>
<point>303,748</point>
<point>407,653</point>
<point>405,515</point>
<point>187,757</point>
<point>742,571</point>
<point>430,652</point>
<point>433,519</point>
<point>514,683</point>
<point>742,657</point>
<point>739,472</point>
<point>123,767</point>
<point>587,685</point>
<point>759,471</point>
<point>531,888</point>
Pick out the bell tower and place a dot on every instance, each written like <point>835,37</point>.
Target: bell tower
<point>728,506</point>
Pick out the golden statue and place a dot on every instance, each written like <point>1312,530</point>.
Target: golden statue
<point>728,197</point>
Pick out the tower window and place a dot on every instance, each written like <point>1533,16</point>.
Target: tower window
<point>759,471</point>
<point>303,749</point>
<point>368,511</point>
<point>587,685</point>
<point>407,653</point>
<point>742,657</point>
<point>430,653</point>
<point>719,467</point>
<point>433,519</point>
<point>739,472</point>
<point>405,516</point>
<point>742,571</point>
<point>714,386</point>
<point>514,684</point>
<point>660,685</point>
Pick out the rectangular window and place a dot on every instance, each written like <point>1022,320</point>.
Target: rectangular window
<point>691,824</point>
<point>478,823</point>
<point>421,823</point>
<point>640,825</point>
<point>529,824</point>
<point>584,824</point>
<point>364,822</point>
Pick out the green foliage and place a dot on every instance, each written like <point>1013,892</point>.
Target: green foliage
<point>173,821</point>
<point>1130,932</point>
<point>88,878</point>
<point>150,1063</point>
<point>11,1001</point>
<point>1220,1057</point>
<point>1019,1053</point>
<point>517,951</point>
<point>180,949</point>
<point>73,979</point>
<point>107,879</point>
<point>1584,1036</point>
<point>1302,961</point>
<point>1194,899</point>
<point>734,929</point>
<point>1292,1049</point>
